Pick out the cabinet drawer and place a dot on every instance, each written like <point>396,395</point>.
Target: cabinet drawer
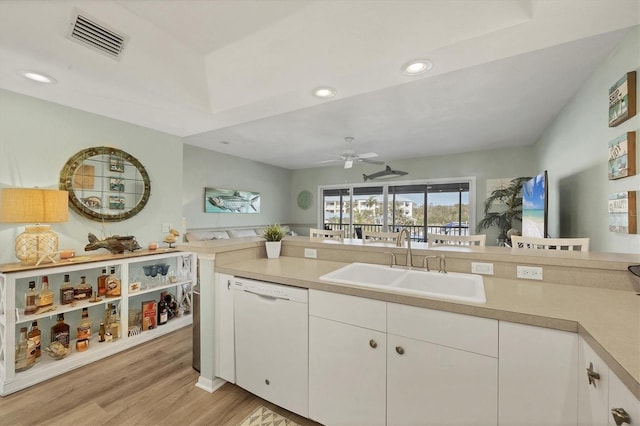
<point>473,334</point>
<point>353,310</point>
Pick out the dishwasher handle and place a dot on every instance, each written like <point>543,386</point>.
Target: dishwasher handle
<point>267,296</point>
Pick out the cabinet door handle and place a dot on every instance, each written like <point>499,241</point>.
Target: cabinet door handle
<point>592,376</point>
<point>228,284</point>
<point>400,350</point>
<point>373,343</point>
<point>620,416</point>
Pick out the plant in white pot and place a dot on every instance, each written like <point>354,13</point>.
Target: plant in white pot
<point>273,234</point>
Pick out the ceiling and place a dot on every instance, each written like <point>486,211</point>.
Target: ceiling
<point>237,76</point>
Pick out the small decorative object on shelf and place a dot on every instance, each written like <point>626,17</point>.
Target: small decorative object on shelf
<point>115,244</point>
<point>171,237</point>
<point>102,282</point>
<point>57,350</point>
<point>82,291</point>
<point>149,315</point>
<point>83,332</point>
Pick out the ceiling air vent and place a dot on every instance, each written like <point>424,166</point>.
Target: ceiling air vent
<point>97,36</point>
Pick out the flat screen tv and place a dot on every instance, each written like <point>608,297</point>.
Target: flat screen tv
<point>535,206</point>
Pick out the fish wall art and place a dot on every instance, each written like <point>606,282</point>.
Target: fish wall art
<point>231,201</point>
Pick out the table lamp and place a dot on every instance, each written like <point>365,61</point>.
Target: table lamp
<point>38,243</point>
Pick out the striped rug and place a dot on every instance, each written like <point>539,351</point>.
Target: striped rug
<point>262,416</point>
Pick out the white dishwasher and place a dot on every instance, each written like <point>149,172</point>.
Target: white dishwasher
<point>271,342</point>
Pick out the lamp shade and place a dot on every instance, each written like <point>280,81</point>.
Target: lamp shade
<point>34,205</point>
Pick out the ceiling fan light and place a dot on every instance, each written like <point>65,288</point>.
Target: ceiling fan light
<point>417,66</point>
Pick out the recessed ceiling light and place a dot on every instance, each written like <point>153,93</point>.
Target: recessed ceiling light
<point>324,92</point>
<point>417,66</point>
<point>39,77</point>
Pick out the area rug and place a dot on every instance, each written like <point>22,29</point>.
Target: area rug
<point>262,416</point>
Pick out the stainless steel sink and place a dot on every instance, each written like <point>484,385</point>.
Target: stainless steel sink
<point>451,286</point>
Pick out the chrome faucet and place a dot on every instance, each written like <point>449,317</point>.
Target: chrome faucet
<point>404,232</point>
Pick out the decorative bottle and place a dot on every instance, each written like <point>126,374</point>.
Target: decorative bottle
<point>163,311</point>
<point>83,291</point>
<point>102,283</point>
<point>83,332</point>
<point>113,284</point>
<point>35,335</point>
<point>102,332</point>
<point>115,323</point>
<point>46,295</point>
<point>60,332</point>
<point>25,352</point>
<point>31,299</point>
<point>66,291</point>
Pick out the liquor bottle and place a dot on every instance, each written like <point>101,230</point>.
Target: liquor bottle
<point>25,352</point>
<point>163,311</point>
<point>46,295</point>
<point>82,291</point>
<point>102,283</point>
<point>60,332</point>
<point>35,335</point>
<point>108,334</point>
<point>113,284</point>
<point>102,332</point>
<point>66,291</point>
<point>115,323</point>
<point>31,299</point>
<point>83,332</point>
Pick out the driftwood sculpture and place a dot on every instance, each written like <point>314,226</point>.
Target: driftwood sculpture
<point>115,244</point>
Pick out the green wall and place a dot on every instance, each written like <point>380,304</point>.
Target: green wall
<point>38,137</point>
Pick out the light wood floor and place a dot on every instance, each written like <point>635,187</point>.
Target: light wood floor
<point>151,384</point>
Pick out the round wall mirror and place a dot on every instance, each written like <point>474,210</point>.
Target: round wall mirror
<point>105,184</point>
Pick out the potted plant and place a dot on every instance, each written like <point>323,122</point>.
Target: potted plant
<point>509,196</point>
<point>273,234</point>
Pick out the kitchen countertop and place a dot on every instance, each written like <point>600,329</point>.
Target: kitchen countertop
<point>609,320</point>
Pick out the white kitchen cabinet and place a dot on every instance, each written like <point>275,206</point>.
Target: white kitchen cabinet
<point>444,372</point>
<point>14,282</point>
<point>347,373</point>
<point>347,359</point>
<point>225,364</point>
<point>537,376</point>
<point>593,398</point>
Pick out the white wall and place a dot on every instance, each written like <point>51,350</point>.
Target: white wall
<point>204,168</point>
<point>38,137</point>
<point>575,152</point>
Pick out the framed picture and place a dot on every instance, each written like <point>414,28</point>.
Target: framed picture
<point>622,99</point>
<point>622,156</point>
<point>231,201</point>
<point>623,215</point>
<point>116,184</point>
<point>116,202</point>
<point>116,164</point>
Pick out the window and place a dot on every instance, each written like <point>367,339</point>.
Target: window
<point>440,206</point>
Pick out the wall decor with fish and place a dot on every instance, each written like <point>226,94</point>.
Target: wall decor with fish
<point>218,200</point>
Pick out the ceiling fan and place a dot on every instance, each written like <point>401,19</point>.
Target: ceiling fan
<point>350,156</point>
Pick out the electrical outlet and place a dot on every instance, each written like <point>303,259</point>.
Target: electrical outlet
<point>166,227</point>
<point>482,268</point>
<point>311,253</point>
<point>529,272</point>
